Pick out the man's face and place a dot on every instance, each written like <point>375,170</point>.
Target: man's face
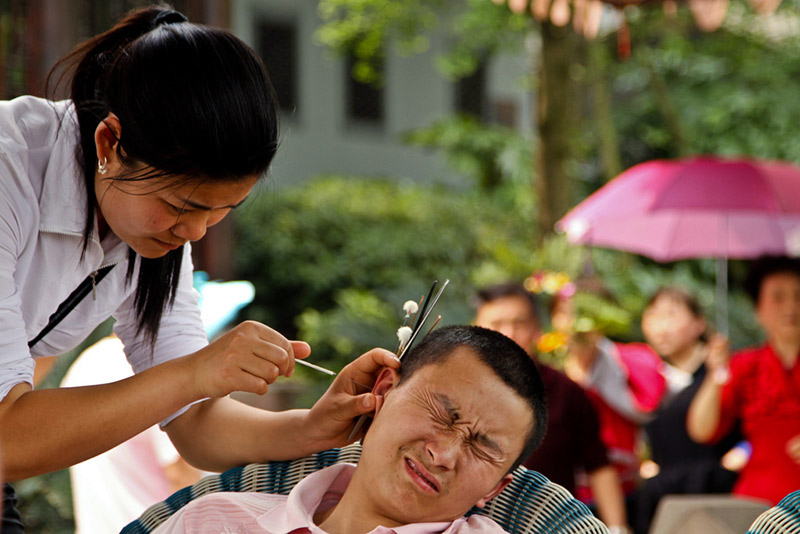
<point>511,316</point>
<point>778,307</point>
<point>441,442</point>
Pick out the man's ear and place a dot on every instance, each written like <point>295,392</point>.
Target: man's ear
<point>106,139</point>
<point>495,491</point>
<point>387,381</point>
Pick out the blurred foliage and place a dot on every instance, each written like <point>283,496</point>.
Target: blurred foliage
<point>732,92</point>
<point>490,154</point>
<point>474,28</point>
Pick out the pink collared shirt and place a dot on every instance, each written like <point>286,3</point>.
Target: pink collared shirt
<point>250,513</point>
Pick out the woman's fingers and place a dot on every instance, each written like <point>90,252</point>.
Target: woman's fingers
<point>365,369</point>
<point>247,358</point>
<point>718,351</point>
<point>301,349</point>
<point>332,417</point>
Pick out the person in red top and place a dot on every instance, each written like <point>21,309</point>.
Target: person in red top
<point>759,387</point>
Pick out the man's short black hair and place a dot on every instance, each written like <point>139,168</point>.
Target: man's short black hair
<point>507,289</point>
<point>507,359</point>
<point>767,266</point>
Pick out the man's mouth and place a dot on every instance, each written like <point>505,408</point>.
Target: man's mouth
<point>420,475</point>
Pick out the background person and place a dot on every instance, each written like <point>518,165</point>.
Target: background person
<point>169,126</point>
<point>573,439</point>
<point>623,380</point>
<point>674,325</point>
<point>759,387</point>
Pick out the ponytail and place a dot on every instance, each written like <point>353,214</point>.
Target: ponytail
<point>194,103</point>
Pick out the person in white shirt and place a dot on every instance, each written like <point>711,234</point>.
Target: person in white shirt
<point>465,409</point>
<point>169,125</point>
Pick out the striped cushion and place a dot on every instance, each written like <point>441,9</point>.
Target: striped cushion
<point>530,504</point>
<point>784,518</point>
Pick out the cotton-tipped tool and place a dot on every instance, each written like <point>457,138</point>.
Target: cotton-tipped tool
<point>315,367</point>
<point>422,315</point>
<point>328,372</point>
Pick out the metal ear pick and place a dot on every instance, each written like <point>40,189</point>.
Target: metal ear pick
<point>422,315</point>
<point>427,305</point>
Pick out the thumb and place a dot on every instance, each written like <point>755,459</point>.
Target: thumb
<point>301,349</point>
<point>358,405</point>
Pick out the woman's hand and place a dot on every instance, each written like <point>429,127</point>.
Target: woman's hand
<point>704,414</point>
<point>249,357</point>
<point>793,449</point>
<point>718,354</point>
<point>332,417</point>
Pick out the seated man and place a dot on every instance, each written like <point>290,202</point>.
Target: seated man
<point>465,409</point>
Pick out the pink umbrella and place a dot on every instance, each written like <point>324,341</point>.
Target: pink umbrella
<point>693,208</point>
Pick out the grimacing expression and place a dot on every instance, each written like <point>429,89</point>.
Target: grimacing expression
<point>153,219</point>
<point>670,327</point>
<point>778,307</point>
<point>511,316</point>
<point>442,441</point>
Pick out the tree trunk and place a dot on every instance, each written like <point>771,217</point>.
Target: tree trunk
<point>607,138</point>
<point>558,108</point>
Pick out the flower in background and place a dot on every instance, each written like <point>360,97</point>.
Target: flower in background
<point>552,342</point>
<point>550,283</point>
<point>577,309</point>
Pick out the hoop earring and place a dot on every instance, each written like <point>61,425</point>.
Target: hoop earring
<point>101,166</point>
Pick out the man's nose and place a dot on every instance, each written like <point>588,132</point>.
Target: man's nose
<point>443,450</point>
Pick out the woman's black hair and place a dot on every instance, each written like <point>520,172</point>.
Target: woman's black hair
<point>764,267</point>
<point>195,105</point>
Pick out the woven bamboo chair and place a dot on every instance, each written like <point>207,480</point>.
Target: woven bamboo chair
<point>530,504</point>
<point>783,518</point>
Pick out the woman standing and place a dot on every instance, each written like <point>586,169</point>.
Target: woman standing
<point>674,325</point>
<point>759,387</point>
<point>168,127</point>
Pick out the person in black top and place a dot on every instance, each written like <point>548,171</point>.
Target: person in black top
<point>673,324</point>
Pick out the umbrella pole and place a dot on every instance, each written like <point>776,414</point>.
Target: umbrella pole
<point>722,296</point>
<point>722,280</point>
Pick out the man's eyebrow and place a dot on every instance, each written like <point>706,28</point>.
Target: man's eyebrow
<point>198,206</point>
<point>446,403</point>
<point>484,439</point>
